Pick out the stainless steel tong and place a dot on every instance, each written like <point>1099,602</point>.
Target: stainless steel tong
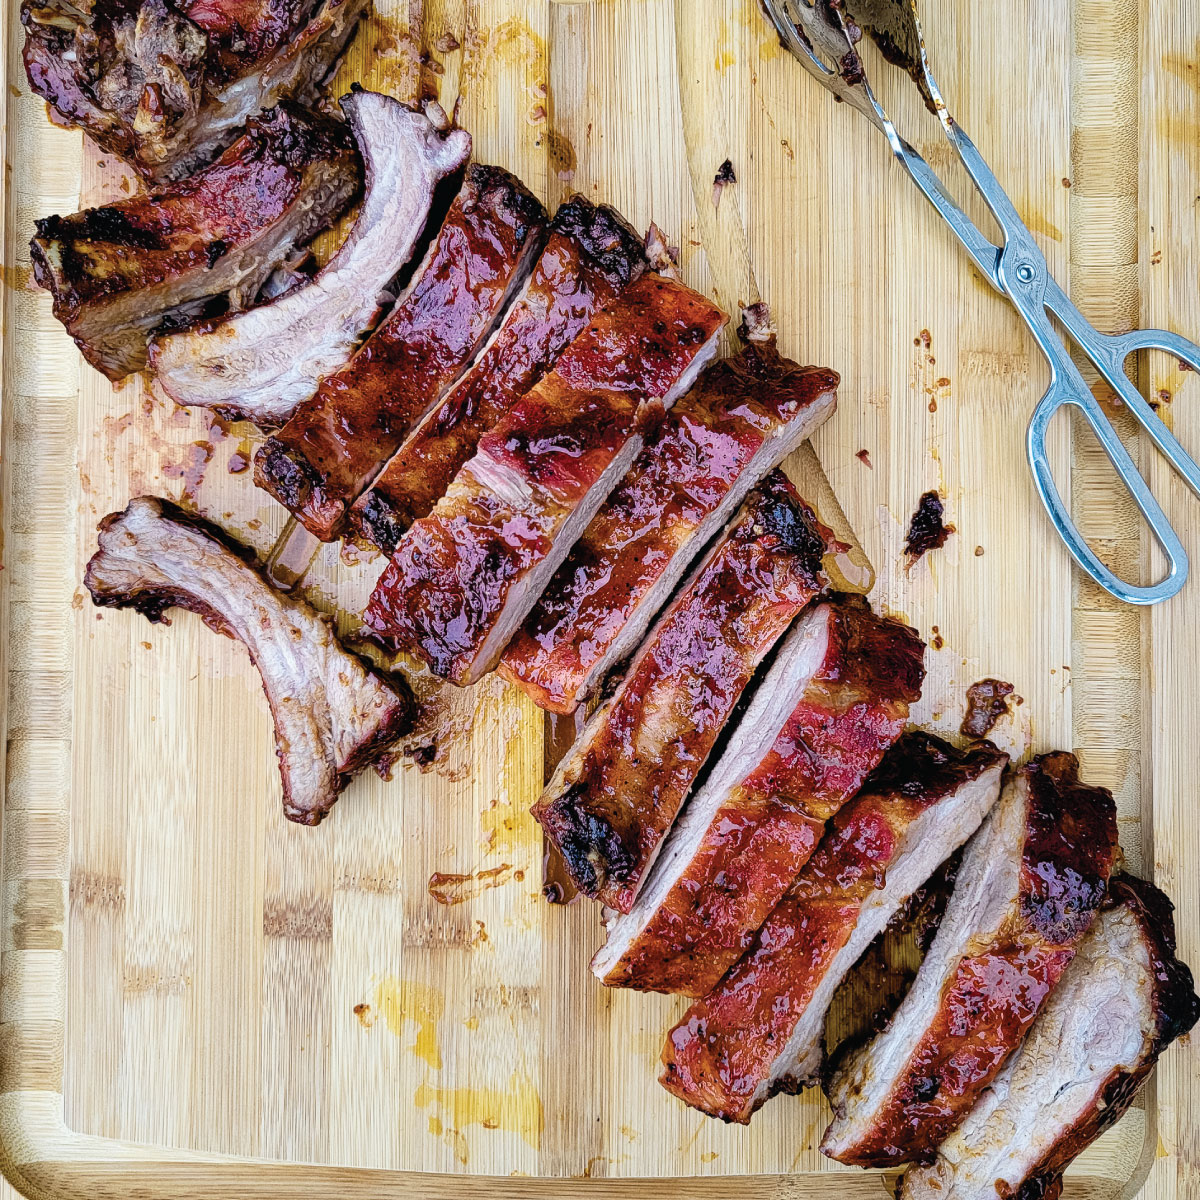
<point>823,37</point>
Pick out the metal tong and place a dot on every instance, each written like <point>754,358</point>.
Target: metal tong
<point>823,32</point>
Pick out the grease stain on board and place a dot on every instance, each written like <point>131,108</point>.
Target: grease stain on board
<point>405,1003</point>
<point>515,1109</point>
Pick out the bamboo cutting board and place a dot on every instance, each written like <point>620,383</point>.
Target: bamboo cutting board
<point>198,999</point>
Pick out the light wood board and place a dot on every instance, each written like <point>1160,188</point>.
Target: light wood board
<point>187,982</point>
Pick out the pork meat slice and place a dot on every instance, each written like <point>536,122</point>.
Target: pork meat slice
<point>743,417</point>
<point>261,363</point>
<point>760,1030</point>
<point>464,578</point>
<point>119,272</point>
<point>590,256</point>
<point>617,791</point>
<point>1123,1000</point>
<point>1030,884</point>
<point>832,703</point>
<point>335,443</point>
<point>333,713</point>
<point>168,86</point>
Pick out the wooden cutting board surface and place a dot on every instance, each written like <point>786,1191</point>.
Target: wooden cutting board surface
<point>186,977</point>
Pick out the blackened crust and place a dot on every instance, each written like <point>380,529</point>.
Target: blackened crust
<point>1070,848</point>
<point>500,191</point>
<point>926,768</point>
<point>604,236</point>
<point>592,848</point>
<point>778,512</point>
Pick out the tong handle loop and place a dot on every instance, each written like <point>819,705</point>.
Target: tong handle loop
<point>1073,391</point>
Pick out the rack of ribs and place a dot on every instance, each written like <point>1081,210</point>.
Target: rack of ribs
<point>617,791</point>
<point>1029,887</point>
<point>1122,1001</point>
<point>167,87</point>
<point>333,713</point>
<point>760,1030</point>
<point>743,417</point>
<point>335,443</point>
<point>120,272</point>
<point>464,578</point>
<point>832,703</point>
<point>263,362</point>
<point>591,255</point>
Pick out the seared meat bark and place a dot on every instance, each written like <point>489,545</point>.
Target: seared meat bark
<point>1030,884</point>
<point>834,700</point>
<point>465,577</point>
<point>616,793</point>
<point>590,256</point>
<point>760,1030</point>
<point>1123,1000</point>
<point>322,460</point>
<point>333,714</point>
<point>260,364</point>
<point>167,86</point>
<point>743,417</point>
<point>118,272</point>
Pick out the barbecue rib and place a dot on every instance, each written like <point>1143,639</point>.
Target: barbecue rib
<point>742,418</point>
<point>614,796</point>
<point>760,1030</point>
<point>1029,886</point>
<point>167,87</point>
<point>590,256</point>
<point>119,272</point>
<point>260,364</point>
<point>834,700</point>
<point>1123,1000</point>
<point>333,714</point>
<point>465,577</point>
<point>335,443</point>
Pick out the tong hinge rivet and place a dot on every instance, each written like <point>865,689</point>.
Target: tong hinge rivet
<point>1025,273</point>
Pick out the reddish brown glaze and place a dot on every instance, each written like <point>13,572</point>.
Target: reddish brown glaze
<point>987,702</point>
<point>188,240</point>
<point>589,258</point>
<point>327,454</point>
<point>457,573</point>
<point>168,86</point>
<point>722,1055</point>
<point>927,529</point>
<point>706,443</point>
<point>766,827</point>
<point>616,793</point>
<point>997,988</point>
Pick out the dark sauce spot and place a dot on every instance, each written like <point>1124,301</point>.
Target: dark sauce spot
<point>986,703</point>
<point>927,530</point>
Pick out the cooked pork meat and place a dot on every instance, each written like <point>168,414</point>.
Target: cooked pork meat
<point>832,703</point>
<point>260,364</point>
<point>591,255</point>
<point>333,714</point>
<point>760,1030</point>
<point>1123,1000</point>
<point>615,794</point>
<point>335,443</point>
<point>167,86</point>
<point>742,418</point>
<point>1028,889</point>
<point>118,272</point>
<point>465,577</point>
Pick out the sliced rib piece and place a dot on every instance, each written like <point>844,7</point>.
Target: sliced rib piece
<point>760,1030</point>
<point>834,700</point>
<point>465,577</point>
<point>335,443</point>
<point>260,364</point>
<point>167,87</point>
<point>119,272</point>
<point>1123,1000</point>
<point>616,793</point>
<point>590,256</point>
<point>742,418</point>
<point>1029,886</point>
<point>333,714</point>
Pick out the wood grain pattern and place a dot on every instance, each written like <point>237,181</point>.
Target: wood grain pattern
<point>188,983</point>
